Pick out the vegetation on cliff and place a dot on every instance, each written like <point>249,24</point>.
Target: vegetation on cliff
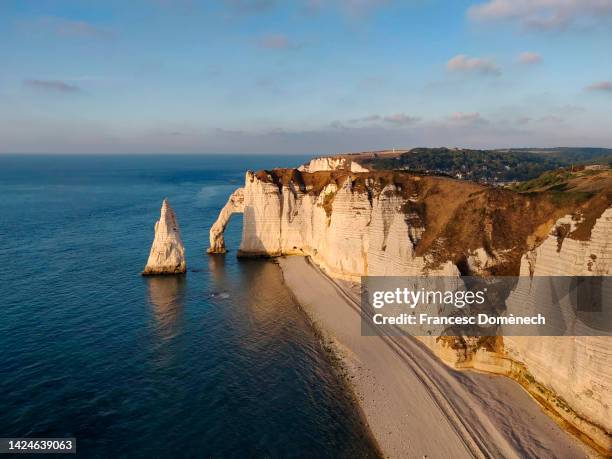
<point>489,166</point>
<point>459,217</point>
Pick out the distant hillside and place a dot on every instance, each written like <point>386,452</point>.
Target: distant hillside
<point>578,179</point>
<point>579,155</point>
<point>490,166</point>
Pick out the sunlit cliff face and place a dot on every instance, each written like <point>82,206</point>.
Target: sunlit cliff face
<point>385,223</point>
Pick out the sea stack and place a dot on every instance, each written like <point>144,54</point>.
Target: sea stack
<point>167,252</point>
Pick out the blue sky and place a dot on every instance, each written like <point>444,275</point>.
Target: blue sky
<point>303,76</point>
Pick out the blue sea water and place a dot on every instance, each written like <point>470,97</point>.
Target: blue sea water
<point>217,363</point>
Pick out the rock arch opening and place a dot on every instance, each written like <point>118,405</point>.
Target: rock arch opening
<point>234,205</point>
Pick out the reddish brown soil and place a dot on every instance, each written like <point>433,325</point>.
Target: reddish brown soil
<point>461,216</point>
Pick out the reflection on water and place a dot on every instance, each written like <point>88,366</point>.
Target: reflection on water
<point>216,266</point>
<point>252,297</point>
<point>265,332</point>
<point>268,298</point>
<point>167,295</point>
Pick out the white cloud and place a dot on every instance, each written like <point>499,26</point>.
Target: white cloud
<point>605,86</point>
<point>522,120</point>
<point>52,85</point>
<point>250,6</point>
<point>349,8</point>
<point>79,136</point>
<point>401,119</point>
<point>73,29</point>
<point>360,7</point>
<point>544,14</point>
<point>530,58</point>
<point>277,41</point>
<point>463,63</point>
<point>365,119</point>
<point>396,119</point>
<point>467,118</point>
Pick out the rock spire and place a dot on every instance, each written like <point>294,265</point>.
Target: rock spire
<point>167,254</point>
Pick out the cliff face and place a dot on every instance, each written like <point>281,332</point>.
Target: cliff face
<point>577,369</point>
<point>330,163</point>
<point>338,222</point>
<point>167,254</point>
<point>393,223</point>
<point>388,223</point>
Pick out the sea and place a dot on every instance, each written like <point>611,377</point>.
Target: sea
<point>217,363</point>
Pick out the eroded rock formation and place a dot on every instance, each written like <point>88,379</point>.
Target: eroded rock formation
<point>235,204</point>
<point>167,254</point>
<point>386,223</point>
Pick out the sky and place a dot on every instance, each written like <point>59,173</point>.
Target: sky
<point>303,76</point>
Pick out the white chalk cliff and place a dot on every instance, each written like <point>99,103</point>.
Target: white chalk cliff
<point>340,229</point>
<point>577,369</point>
<point>384,223</point>
<point>167,254</point>
<point>330,163</point>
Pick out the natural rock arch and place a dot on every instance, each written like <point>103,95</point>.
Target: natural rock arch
<point>235,204</point>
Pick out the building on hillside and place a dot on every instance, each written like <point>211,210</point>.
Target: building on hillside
<point>596,167</point>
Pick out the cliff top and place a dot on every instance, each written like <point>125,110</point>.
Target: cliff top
<point>497,166</point>
<point>461,216</point>
<point>314,182</point>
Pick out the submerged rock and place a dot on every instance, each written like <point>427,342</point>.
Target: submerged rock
<point>167,254</point>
